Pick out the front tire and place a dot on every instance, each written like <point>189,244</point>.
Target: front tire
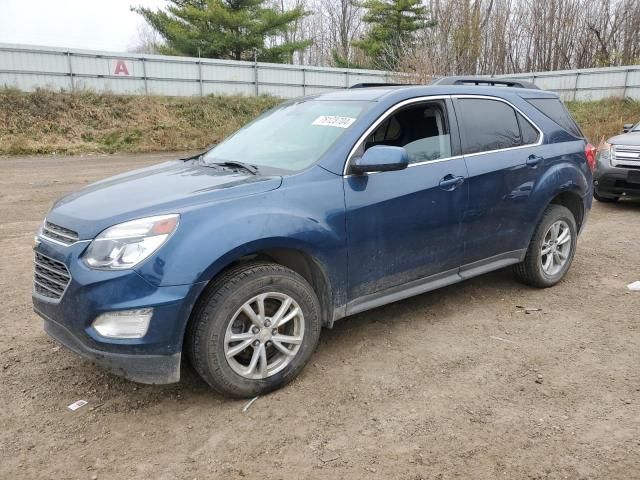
<point>551,249</point>
<point>254,329</point>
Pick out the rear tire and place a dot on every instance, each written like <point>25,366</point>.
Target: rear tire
<point>276,347</point>
<point>551,249</point>
<point>605,199</point>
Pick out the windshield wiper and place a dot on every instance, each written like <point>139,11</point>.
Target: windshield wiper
<point>233,163</point>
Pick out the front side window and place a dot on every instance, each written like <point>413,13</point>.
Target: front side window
<point>290,137</point>
<point>422,130</point>
<point>487,125</point>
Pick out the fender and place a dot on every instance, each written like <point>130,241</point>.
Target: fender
<point>211,237</point>
<point>569,173</point>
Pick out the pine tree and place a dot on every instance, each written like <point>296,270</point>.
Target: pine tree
<point>393,25</point>
<point>229,29</point>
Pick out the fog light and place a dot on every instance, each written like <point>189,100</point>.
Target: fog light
<point>123,324</point>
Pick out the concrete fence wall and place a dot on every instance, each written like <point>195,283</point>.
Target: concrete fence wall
<point>29,67</point>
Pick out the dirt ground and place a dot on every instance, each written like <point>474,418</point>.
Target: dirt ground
<point>457,383</point>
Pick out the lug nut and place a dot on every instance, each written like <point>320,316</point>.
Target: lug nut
<point>267,323</point>
<point>268,344</point>
<point>274,331</point>
<point>255,330</point>
<point>256,343</point>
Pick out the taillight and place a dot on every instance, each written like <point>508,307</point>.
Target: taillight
<point>590,152</point>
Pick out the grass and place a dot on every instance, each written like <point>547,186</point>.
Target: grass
<point>604,118</point>
<point>46,122</point>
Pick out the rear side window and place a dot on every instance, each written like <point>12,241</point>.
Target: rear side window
<point>556,111</point>
<point>488,125</point>
<point>529,133</point>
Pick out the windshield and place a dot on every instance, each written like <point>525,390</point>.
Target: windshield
<point>291,136</point>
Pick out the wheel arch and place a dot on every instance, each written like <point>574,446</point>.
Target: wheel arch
<point>562,184</point>
<point>295,258</point>
<point>573,201</point>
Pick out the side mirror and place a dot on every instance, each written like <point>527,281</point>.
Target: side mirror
<point>381,158</point>
<point>627,127</point>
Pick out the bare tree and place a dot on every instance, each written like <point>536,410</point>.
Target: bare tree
<point>147,40</point>
<point>509,36</point>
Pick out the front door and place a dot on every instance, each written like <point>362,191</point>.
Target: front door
<point>406,225</point>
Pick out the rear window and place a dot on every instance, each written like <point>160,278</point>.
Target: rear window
<point>556,111</point>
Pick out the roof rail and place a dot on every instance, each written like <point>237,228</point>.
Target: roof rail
<point>367,85</point>
<point>486,81</point>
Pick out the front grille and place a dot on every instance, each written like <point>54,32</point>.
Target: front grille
<point>59,234</point>
<point>51,277</point>
<point>626,156</point>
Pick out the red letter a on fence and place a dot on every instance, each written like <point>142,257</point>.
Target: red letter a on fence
<point>121,68</point>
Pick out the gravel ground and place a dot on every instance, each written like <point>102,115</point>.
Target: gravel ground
<point>457,383</point>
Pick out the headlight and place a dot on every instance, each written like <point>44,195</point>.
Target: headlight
<point>127,244</point>
<point>606,153</point>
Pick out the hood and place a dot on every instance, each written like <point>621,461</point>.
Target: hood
<point>169,187</point>
<point>631,138</point>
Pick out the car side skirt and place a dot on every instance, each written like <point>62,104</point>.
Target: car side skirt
<point>433,282</point>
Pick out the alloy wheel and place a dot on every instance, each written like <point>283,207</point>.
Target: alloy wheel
<point>264,335</point>
<point>556,248</point>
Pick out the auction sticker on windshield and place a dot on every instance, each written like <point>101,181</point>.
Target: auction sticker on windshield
<point>333,121</point>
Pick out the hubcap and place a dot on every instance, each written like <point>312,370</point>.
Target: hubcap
<point>556,248</point>
<point>264,335</point>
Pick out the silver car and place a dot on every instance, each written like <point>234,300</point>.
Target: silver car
<point>617,172</point>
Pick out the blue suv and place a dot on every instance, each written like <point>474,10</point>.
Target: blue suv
<point>321,208</point>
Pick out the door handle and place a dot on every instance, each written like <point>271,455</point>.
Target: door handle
<point>450,183</point>
<point>534,160</point>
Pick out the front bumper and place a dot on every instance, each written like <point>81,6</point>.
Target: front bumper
<point>615,181</point>
<point>154,358</point>
<point>155,369</point>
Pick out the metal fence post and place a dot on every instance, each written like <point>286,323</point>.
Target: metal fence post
<point>144,75</point>
<point>200,77</point>
<point>626,81</point>
<point>575,87</point>
<point>70,70</point>
<point>304,82</point>
<point>346,79</point>
<point>255,72</point>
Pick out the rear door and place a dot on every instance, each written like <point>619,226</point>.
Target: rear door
<point>500,147</point>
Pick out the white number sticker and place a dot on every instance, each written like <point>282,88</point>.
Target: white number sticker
<point>333,121</point>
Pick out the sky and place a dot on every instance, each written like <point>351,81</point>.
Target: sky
<point>88,24</point>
